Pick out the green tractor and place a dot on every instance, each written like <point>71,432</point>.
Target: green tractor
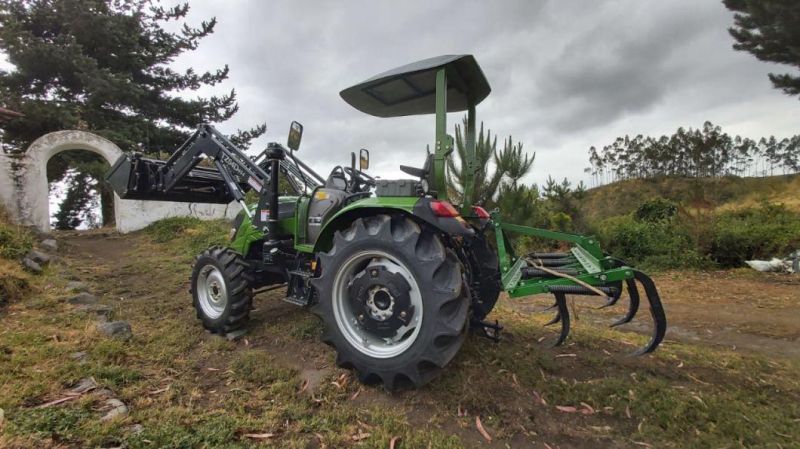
<point>397,274</point>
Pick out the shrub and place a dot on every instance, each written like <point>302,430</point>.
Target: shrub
<point>655,210</point>
<point>770,230</point>
<point>660,244</point>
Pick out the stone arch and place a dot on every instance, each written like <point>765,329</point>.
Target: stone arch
<point>24,188</point>
<point>31,176</point>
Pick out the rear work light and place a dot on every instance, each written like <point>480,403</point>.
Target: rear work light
<point>443,209</point>
<point>480,212</point>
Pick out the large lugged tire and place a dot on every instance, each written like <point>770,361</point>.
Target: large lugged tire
<point>220,287</point>
<point>393,301</point>
<point>485,268</point>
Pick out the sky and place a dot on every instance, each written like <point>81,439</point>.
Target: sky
<point>565,75</point>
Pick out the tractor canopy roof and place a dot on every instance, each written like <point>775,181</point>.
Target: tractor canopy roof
<point>411,89</point>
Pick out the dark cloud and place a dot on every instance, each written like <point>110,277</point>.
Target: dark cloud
<point>565,75</point>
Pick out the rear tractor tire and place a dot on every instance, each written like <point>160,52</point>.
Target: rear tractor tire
<point>220,287</point>
<point>393,301</point>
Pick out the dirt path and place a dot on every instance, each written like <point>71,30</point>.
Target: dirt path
<point>742,311</point>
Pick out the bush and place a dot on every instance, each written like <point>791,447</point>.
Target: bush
<point>760,233</point>
<point>660,244</point>
<point>655,210</point>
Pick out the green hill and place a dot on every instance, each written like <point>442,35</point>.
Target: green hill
<point>721,194</point>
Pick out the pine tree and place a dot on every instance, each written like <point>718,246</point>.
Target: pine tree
<point>510,165</point>
<point>103,66</point>
<point>768,30</point>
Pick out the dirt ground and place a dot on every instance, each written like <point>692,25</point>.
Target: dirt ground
<point>723,328</point>
<point>739,309</point>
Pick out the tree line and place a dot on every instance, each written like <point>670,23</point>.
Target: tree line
<point>694,153</point>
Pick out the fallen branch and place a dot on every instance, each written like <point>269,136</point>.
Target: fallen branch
<point>483,431</point>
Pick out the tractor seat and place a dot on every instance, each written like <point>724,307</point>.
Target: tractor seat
<point>421,173</point>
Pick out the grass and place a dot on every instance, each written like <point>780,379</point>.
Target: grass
<point>15,242</point>
<point>190,389</point>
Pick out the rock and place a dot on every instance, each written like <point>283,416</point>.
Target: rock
<point>100,309</point>
<point>83,298</point>
<point>38,257</point>
<point>49,244</point>
<point>77,286</point>
<point>136,429</point>
<point>104,393</point>
<point>84,385</point>
<point>235,335</point>
<point>79,356</point>
<point>116,329</point>
<point>31,265</point>
<point>118,408</point>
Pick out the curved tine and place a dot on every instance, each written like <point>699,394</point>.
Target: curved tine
<point>656,311</point>
<point>563,312</point>
<point>613,299</point>
<point>555,319</point>
<point>633,307</point>
<point>555,304</point>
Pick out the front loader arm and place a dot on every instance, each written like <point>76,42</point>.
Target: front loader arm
<point>179,178</point>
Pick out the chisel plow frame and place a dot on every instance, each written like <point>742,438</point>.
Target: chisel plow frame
<point>583,270</point>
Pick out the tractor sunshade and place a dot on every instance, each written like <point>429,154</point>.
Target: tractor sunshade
<point>411,89</point>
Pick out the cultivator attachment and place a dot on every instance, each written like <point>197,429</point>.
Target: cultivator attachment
<point>583,271</point>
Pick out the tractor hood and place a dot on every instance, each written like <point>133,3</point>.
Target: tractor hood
<point>411,89</point>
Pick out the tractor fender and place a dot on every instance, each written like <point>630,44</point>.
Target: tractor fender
<point>417,209</point>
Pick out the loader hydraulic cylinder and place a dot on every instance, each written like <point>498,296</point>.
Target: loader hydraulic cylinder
<point>275,154</point>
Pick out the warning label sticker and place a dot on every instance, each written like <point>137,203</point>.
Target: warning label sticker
<point>254,184</point>
<point>264,214</point>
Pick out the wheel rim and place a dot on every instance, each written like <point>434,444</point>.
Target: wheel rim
<point>212,294</point>
<point>360,338</point>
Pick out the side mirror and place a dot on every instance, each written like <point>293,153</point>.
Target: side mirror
<point>295,135</point>
<point>363,159</point>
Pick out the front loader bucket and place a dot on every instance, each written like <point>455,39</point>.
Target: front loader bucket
<point>138,178</point>
<point>584,270</point>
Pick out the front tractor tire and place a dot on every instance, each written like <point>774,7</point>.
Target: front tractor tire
<point>393,301</point>
<point>220,287</point>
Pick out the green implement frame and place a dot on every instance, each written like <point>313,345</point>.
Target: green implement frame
<point>586,259</point>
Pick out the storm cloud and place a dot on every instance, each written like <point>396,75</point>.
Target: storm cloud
<point>565,75</point>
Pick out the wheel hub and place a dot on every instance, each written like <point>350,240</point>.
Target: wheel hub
<point>380,303</point>
<point>211,292</point>
<point>381,300</point>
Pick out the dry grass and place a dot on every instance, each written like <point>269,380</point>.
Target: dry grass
<point>14,282</point>
<point>190,389</point>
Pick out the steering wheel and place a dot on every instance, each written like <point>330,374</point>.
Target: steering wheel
<point>359,181</point>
